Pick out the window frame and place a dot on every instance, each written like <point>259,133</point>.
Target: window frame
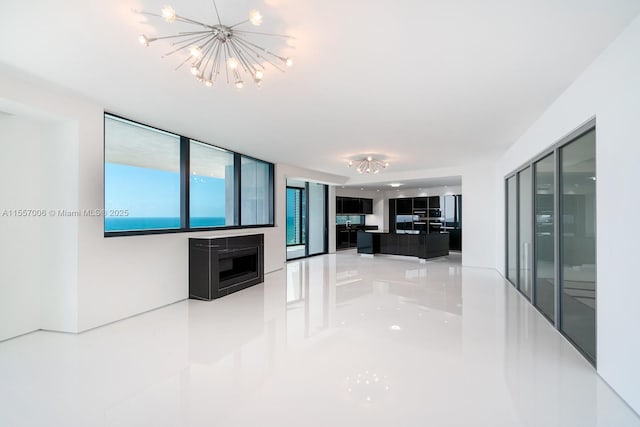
<point>185,172</point>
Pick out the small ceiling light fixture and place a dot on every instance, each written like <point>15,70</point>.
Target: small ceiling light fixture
<point>216,46</point>
<point>395,185</point>
<point>369,165</point>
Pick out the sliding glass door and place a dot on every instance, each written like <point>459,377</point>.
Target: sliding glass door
<point>525,232</point>
<point>551,236</point>
<point>296,202</point>
<point>544,287</point>
<point>578,243</point>
<point>317,218</point>
<point>306,219</point>
<point>512,231</point>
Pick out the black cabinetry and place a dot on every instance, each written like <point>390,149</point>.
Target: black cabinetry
<point>419,203</point>
<point>404,206</point>
<point>223,265</point>
<point>418,245</point>
<point>353,205</point>
<point>433,214</point>
<point>367,206</point>
<point>347,237</point>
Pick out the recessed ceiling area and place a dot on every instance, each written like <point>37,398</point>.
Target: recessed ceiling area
<point>410,184</point>
<point>427,84</point>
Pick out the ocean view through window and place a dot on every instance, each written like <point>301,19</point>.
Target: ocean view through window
<point>211,186</point>
<point>159,182</point>
<point>142,177</point>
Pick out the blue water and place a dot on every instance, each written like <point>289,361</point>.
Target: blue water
<point>291,232</point>
<point>156,223</point>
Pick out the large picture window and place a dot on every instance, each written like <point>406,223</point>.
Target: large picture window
<point>159,182</point>
<point>255,180</point>
<point>141,177</point>
<point>211,188</point>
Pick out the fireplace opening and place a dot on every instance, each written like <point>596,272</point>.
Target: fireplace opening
<point>237,266</point>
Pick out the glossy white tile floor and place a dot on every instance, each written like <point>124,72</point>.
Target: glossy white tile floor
<point>337,340</point>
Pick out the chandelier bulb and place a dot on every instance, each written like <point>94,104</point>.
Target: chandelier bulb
<point>195,51</point>
<point>259,75</point>
<point>194,70</point>
<point>232,63</point>
<point>144,40</point>
<point>168,13</point>
<point>199,77</point>
<point>208,83</point>
<point>288,62</point>
<point>369,158</point>
<point>255,17</point>
<point>239,84</point>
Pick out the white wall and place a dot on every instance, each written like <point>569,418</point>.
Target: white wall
<point>38,253</point>
<point>59,235</point>
<point>19,245</point>
<point>609,90</point>
<point>91,280</point>
<point>478,215</point>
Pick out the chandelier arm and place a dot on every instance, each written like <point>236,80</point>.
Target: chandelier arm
<point>246,64</point>
<point>217,61</point>
<point>227,55</point>
<point>142,12</point>
<point>215,7</point>
<point>193,33</point>
<point>262,49</point>
<point>239,23</point>
<point>247,42</point>
<point>209,57</point>
<point>187,59</point>
<point>183,44</point>
<point>151,40</point>
<point>190,21</point>
<point>193,39</point>
<point>206,54</point>
<point>265,34</point>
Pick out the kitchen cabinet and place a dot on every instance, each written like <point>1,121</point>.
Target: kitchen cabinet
<point>353,206</point>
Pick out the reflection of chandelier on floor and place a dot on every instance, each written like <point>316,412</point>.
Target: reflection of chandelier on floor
<point>219,46</point>
<point>369,165</point>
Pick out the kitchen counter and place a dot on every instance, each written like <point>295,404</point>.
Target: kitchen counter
<point>423,246</point>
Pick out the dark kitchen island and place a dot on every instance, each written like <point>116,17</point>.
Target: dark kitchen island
<point>423,245</point>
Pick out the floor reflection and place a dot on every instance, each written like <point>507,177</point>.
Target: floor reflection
<point>330,340</point>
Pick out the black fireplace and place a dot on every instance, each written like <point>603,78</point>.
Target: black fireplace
<point>223,265</point>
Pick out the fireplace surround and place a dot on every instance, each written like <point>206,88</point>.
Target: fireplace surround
<point>219,266</point>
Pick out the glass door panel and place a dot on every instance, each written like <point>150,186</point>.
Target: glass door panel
<point>317,218</point>
<point>545,236</point>
<point>525,232</point>
<point>578,243</point>
<point>512,231</point>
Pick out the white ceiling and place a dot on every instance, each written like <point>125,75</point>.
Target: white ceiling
<point>422,83</point>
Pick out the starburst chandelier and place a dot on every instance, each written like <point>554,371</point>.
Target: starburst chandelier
<point>220,49</point>
<point>369,165</point>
